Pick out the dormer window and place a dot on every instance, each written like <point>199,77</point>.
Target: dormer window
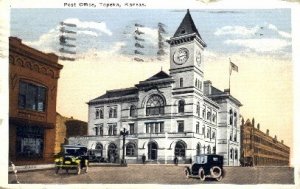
<point>182,31</point>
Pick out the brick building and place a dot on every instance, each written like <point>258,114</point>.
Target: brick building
<point>67,127</point>
<point>260,149</point>
<point>33,77</point>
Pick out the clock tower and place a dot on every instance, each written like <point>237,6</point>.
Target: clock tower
<point>186,54</point>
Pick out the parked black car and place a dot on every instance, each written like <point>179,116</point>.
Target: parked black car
<point>206,166</point>
<point>72,157</point>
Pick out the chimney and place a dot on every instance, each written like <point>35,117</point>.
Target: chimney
<point>258,126</point>
<point>253,122</point>
<point>275,137</point>
<point>243,121</point>
<point>227,91</point>
<point>282,141</point>
<point>207,87</point>
<point>268,132</point>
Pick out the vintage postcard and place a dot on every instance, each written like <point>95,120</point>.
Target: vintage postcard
<point>142,94</point>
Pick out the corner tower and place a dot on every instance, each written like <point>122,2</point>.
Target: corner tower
<point>186,53</point>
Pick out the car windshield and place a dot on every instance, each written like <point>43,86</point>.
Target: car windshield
<point>74,151</point>
<point>201,159</point>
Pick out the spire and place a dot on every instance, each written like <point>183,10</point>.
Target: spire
<point>187,26</point>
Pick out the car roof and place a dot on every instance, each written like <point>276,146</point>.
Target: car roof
<point>74,146</point>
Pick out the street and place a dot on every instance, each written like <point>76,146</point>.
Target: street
<point>155,174</point>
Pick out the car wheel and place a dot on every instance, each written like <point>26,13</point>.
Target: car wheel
<point>187,172</point>
<point>216,171</point>
<point>219,178</point>
<point>201,174</point>
<point>78,169</point>
<point>56,170</point>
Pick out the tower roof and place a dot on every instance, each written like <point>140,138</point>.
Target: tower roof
<point>187,26</point>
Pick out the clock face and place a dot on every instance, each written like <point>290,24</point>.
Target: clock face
<point>181,56</point>
<point>198,58</point>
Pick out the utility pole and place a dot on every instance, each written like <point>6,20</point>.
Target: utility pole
<point>123,133</point>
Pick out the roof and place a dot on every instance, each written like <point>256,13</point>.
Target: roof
<point>159,75</point>
<point>117,93</point>
<point>216,93</point>
<point>187,26</point>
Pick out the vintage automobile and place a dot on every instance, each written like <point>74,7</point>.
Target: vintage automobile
<point>206,166</point>
<point>72,157</point>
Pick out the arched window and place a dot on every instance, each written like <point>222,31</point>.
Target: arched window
<point>231,153</point>
<point>180,149</point>
<point>132,111</point>
<point>130,149</point>
<point>181,106</point>
<point>230,117</point>
<point>155,105</point>
<point>198,149</point>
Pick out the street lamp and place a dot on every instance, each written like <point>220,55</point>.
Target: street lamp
<point>123,133</point>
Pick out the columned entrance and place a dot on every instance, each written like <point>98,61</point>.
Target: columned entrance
<point>152,151</point>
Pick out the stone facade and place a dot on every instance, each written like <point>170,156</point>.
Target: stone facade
<point>166,116</point>
<point>33,77</point>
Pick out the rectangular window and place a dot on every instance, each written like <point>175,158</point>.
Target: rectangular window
<point>131,128</point>
<point>203,130</point>
<point>181,82</point>
<point>197,127</point>
<point>156,127</point>
<point>151,127</point>
<point>101,130</point>
<point>32,97</point>
<point>110,130</point>
<point>180,126</point>
<point>208,133</point>
<point>114,130</point>
<point>29,142</point>
<point>162,129</point>
<point>96,130</point>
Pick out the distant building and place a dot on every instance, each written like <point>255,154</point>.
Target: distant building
<point>168,115</point>
<point>260,149</point>
<point>33,77</point>
<point>67,127</point>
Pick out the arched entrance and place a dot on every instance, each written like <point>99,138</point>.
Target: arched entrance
<point>112,153</point>
<point>99,150</point>
<point>180,149</point>
<point>152,151</point>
